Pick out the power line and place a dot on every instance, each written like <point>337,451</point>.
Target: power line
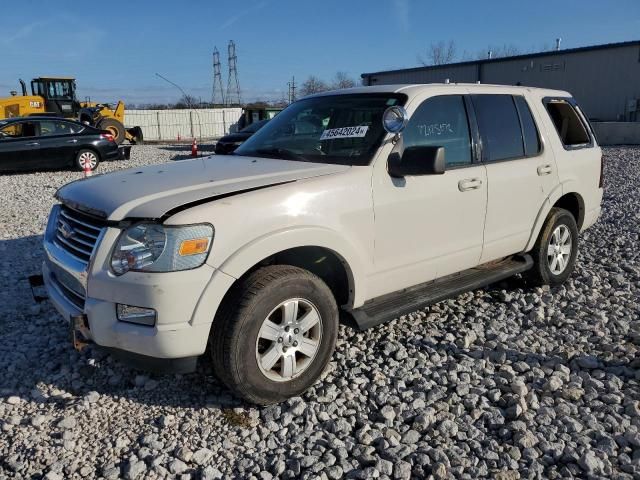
<point>233,84</point>
<point>217,79</point>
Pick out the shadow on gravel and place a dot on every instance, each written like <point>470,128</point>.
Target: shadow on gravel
<point>38,362</point>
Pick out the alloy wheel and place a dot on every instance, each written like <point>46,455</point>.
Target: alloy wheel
<point>289,339</point>
<point>559,249</point>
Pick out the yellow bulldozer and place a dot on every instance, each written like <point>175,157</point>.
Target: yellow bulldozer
<point>57,96</point>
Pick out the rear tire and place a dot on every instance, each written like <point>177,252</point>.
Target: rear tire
<point>554,253</point>
<point>275,334</point>
<point>114,127</point>
<point>86,156</point>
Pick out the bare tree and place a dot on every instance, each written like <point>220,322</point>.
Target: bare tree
<point>342,80</point>
<point>440,53</point>
<point>505,50</point>
<point>186,101</point>
<point>313,85</point>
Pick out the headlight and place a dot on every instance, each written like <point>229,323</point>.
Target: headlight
<point>151,247</point>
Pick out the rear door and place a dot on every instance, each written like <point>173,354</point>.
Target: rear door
<point>520,172</point>
<point>58,142</point>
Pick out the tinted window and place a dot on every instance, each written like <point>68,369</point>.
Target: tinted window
<point>529,130</point>
<point>499,127</point>
<point>55,127</point>
<point>567,123</point>
<point>12,130</point>
<point>17,130</point>
<point>441,121</point>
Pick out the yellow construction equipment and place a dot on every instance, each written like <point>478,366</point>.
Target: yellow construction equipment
<point>57,96</point>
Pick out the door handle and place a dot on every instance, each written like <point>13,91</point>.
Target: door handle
<point>544,170</point>
<point>72,141</point>
<point>32,144</point>
<point>469,184</point>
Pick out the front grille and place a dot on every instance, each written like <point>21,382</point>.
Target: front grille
<point>74,297</point>
<point>77,233</point>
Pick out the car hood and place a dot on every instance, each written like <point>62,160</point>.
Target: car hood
<point>153,191</point>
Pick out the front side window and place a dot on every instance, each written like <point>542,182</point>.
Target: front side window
<point>499,127</point>
<point>441,122</point>
<point>339,129</point>
<point>570,128</point>
<point>12,130</point>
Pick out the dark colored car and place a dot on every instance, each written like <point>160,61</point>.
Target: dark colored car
<point>229,143</point>
<point>31,143</point>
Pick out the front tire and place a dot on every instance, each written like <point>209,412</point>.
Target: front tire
<point>84,157</point>
<point>555,250</point>
<point>275,334</point>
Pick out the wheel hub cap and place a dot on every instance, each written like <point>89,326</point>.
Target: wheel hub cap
<point>289,339</point>
<point>559,250</point>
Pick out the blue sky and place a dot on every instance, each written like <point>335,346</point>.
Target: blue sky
<point>115,48</point>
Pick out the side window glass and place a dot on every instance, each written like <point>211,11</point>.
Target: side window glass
<point>29,129</point>
<point>441,122</point>
<point>570,128</point>
<point>55,128</point>
<point>529,129</point>
<point>13,130</point>
<point>499,127</point>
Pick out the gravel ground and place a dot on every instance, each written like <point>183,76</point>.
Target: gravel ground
<point>508,382</point>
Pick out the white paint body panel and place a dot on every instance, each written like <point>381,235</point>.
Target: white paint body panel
<point>389,233</point>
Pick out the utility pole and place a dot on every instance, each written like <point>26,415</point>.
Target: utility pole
<point>233,84</point>
<point>217,79</point>
<point>292,89</point>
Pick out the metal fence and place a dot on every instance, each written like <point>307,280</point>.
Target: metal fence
<point>174,124</point>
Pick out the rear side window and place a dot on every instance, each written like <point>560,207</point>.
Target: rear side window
<point>499,127</point>
<point>570,128</point>
<point>529,131</point>
<point>442,122</point>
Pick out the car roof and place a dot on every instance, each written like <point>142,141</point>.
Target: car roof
<point>415,88</point>
<point>38,117</point>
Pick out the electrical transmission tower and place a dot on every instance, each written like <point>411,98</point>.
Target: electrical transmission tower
<point>217,80</point>
<point>292,89</point>
<point>233,85</point>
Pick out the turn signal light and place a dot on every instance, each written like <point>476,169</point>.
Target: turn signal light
<point>193,246</point>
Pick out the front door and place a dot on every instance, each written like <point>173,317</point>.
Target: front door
<point>432,225</point>
<point>18,146</point>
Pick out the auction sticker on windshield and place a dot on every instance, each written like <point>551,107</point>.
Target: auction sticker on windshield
<point>344,132</point>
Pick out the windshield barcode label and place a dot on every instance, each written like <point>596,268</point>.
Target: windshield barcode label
<point>344,132</point>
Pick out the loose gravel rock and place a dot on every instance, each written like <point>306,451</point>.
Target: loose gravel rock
<point>508,382</point>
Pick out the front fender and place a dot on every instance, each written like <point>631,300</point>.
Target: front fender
<point>250,254</point>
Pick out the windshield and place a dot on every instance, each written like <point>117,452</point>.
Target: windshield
<point>254,127</point>
<point>340,129</point>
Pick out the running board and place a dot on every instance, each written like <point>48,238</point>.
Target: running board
<point>392,305</point>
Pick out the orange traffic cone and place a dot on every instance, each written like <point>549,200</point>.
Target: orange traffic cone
<point>87,170</point>
<point>194,148</point>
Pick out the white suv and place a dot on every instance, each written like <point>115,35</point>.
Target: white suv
<point>376,201</point>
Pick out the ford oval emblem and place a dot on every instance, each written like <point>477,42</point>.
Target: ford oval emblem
<point>66,230</point>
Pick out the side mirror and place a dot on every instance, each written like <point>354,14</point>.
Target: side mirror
<point>419,160</point>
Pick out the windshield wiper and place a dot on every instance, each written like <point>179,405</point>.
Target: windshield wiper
<point>281,152</point>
